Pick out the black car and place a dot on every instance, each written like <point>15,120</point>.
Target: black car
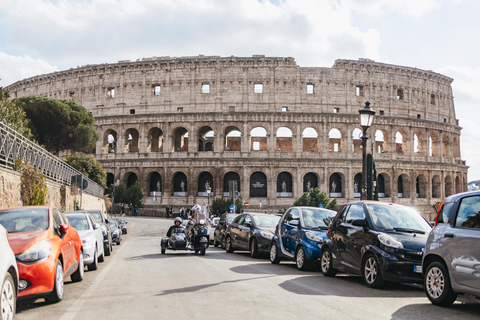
<point>104,224</point>
<point>219,234</point>
<point>123,224</point>
<point>251,231</point>
<point>116,232</point>
<point>380,241</point>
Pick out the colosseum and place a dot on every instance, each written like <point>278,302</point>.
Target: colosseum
<point>270,127</point>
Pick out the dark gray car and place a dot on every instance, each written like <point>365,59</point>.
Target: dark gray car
<point>104,224</point>
<point>451,263</point>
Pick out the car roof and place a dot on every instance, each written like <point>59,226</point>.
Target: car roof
<point>454,197</point>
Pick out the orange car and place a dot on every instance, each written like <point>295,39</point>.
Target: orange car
<point>47,250</point>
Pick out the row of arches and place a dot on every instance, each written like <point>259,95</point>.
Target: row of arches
<point>433,144</point>
<point>284,184</point>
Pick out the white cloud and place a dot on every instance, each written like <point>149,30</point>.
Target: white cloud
<point>14,68</point>
<point>372,8</point>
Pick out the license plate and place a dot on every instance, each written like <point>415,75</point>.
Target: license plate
<point>417,269</point>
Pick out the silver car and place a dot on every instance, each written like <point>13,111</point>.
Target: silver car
<point>8,278</point>
<point>92,238</point>
<point>451,263</point>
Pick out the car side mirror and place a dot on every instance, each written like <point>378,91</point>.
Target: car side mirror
<point>107,221</point>
<point>247,224</point>
<point>359,223</point>
<point>64,228</point>
<point>96,226</point>
<point>294,223</point>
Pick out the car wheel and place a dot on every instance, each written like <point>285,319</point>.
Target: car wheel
<point>300,259</point>
<point>228,245</point>
<point>8,297</point>
<point>77,276</point>
<point>326,264</point>
<point>102,257</point>
<point>371,272</point>
<point>94,265</point>
<point>253,248</point>
<point>57,294</point>
<point>118,242</point>
<point>222,243</point>
<point>437,285</point>
<point>215,243</point>
<point>107,249</point>
<point>274,258</point>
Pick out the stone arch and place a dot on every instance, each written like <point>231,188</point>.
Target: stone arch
<point>154,183</point>
<point>446,150</point>
<point>229,179</point>
<point>258,185</point>
<point>383,185</point>
<point>335,140</point>
<point>180,184</point>
<point>109,136</point>
<point>205,138</point>
<point>357,140</point>
<point>155,140</point>
<point>205,179</point>
<point>421,186</point>
<point>381,136</point>
<point>419,143</point>
<point>310,181</point>
<point>309,140</point>
<point>258,139</point>
<point>131,140</point>
<point>110,179</point>
<point>458,186</point>
<point>436,187</point>
<point>233,139</point>
<point>284,185</point>
<point>284,139</point>
<point>180,140</point>
<point>335,185</point>
<point>401,142</point>
<point>403,183</point>
<point>433,145</point>
<point>448,186</point>
<point>129,179</point>
<point>357,186</point>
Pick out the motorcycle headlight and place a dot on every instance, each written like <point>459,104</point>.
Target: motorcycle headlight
<point>312,236</point>
<point>202,221</point>
<point>389,241</point>
<point>37,252</point>
<point>266,234</point>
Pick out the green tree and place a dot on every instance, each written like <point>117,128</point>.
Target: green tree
<point>89,166</point>
<point>33,186</point>
<point>314,198</point>
<point>223,205</point>
<point>133,195</point>
<point>12,115</point>
<point>59,124</point>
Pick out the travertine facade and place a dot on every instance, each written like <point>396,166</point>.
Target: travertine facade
<point>184,124</point>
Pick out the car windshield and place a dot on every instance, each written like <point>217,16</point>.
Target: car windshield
<point>121,221</point>
<point>266,221</point>
<point>397,218</point>
<point>113,224</point>
<point>317,218</point>
<point>97,216</point>
<point>78,221</point>
<point>24,220</point>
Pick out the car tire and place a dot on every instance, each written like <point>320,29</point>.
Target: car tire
<point>274,258</point>
<point>228,245</point>
<point>437,285</point>
<point>253,248</point>
<point>102,257</point>
<point>94,265</point>
<point>371,272</point>
<point>215,243</point>
<point>222,243</point>
<point>108,250</point>
<point>118,242</point>
<point>301,259</point>
<point>77,276</point>
<point>326,263</point>
<point>8,297</point>
<point>57,294</point>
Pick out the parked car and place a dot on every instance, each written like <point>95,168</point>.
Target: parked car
<point>451,263</point>
<point>251,231</point>
<point>47,250</point>
<point>123,224</point>
<point>116,232</point>
<point>299,236</point>
<point>213,227</point>
<point>105,225</point>
<point>219,233</point>
<point>8,278</point>
<point>380,241</point>
<point>92,238</point>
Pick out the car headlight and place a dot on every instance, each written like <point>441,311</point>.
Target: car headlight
<point>313,236</point>
<point>389,241</point>
<point>266,234</point>
<point>87,242</point>
<point>36,252</point>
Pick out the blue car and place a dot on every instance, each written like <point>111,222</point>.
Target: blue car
<point>299,236</point>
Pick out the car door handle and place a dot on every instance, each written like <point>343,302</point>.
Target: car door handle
<point>449,235</point>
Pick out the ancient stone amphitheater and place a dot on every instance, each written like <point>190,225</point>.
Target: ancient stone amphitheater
<point>270,127</point>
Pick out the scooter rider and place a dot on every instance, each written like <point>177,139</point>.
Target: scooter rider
<point>177,223</point>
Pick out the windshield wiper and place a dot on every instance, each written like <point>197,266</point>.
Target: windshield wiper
<point>407,230</point>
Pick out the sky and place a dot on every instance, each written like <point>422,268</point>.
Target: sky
<point>42,36</point>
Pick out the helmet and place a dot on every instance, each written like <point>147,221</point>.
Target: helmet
<point>197,207</point>
<point>178,219</point>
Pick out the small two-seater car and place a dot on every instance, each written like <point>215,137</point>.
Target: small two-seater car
<point>299,236</point>
<point>451,263</point>
<point>380,241</point>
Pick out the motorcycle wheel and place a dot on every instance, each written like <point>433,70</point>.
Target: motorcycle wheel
<point>163,250</point>
<point>203,248</point>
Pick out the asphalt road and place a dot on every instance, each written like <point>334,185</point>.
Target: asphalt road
<point>137,282</point>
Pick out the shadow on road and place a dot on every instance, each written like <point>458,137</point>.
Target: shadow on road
<point>467,310</point>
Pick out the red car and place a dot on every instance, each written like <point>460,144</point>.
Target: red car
<point>47,250</point>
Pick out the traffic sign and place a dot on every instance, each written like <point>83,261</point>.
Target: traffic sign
<point>320,205</point>
<point>246,204</point>
<point>233,208</point>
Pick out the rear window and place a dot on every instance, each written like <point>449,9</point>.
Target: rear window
<point>444,212</point>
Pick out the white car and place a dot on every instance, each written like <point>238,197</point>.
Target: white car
<point>9,278</point>
<point>92,238</point>
<point>211,230</point>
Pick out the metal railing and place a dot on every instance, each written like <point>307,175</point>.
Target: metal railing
<point>14,145</point>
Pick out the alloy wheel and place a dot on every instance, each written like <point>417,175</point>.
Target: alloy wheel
<point>8,298</point>
<point>435,282</point>
<point>370,270</point>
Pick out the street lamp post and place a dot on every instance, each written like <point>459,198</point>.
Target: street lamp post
<point>209,190</point>
<point>366,120</point>
<point>113,145</point>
